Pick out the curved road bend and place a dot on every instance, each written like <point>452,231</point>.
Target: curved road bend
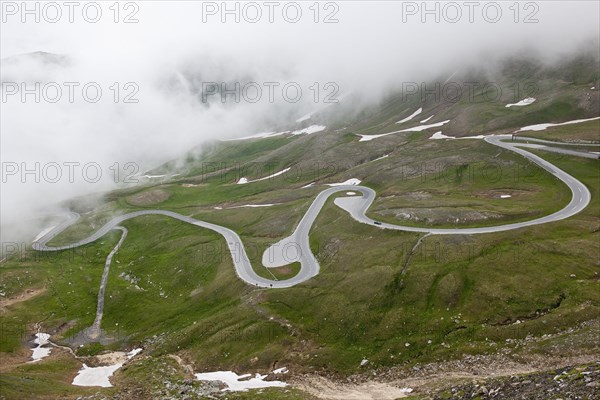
<point>296,247</point>
<point>550,142</point>
<point>554,149</point>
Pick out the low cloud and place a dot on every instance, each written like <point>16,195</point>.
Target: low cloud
<point>153,75</point>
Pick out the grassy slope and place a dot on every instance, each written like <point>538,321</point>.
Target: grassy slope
<point>359,306</point>
<point>585,132</point>
<point>457,290</point>
<point>371,298</point>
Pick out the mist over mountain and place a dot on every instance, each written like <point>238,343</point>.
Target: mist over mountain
<point>299,200</point>
<point>162,78</point>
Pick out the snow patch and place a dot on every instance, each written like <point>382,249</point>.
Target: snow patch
<point>261,135</point>
<point>350,193</point>
<point>411,116</point>
<point>368,138</point>
<point>133,353</point>
<point>310,129</point>
<point>235,383</point>
<point>424,127</point>
<point>440,135</point>
<point>352,181</point>
<point>99,376</point>
<point>524,102</point>
<point>254,205</point>
<point>319,109</point>
<point>95,376</point>
<point>304,117</point>
<point>42,338</point>
<point>381,158</point>
<point>505,196</point>
<point>43,233</point>
<point>541,127</point>
<point>419,128</point>
<point>242,180</point>
<point>307,186</point>
<point>40,352</point>
<point>426,120</point>
<point>152,176</point>
<point>282,370</point>
<point>473,137</point>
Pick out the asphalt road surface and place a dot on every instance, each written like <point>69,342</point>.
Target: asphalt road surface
<point>296,248</point>
<point>553,149</point>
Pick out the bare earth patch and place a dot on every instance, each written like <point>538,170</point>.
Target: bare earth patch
<point>14,359</point>
<point>285,270</point>
<point>419,195</point>
<point>148,197</point>
<point>435,377</point>
<point>440,215</point>
<point>111,358</point>
<point>323,388</point>
<point>431,378</point>
<point>23,296</point>
<point>440,376</point>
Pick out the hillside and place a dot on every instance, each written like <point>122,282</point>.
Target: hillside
<point>392,309</point>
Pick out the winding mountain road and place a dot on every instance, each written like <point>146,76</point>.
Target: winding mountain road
<point>296,248</point>
<point>551,148</point>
